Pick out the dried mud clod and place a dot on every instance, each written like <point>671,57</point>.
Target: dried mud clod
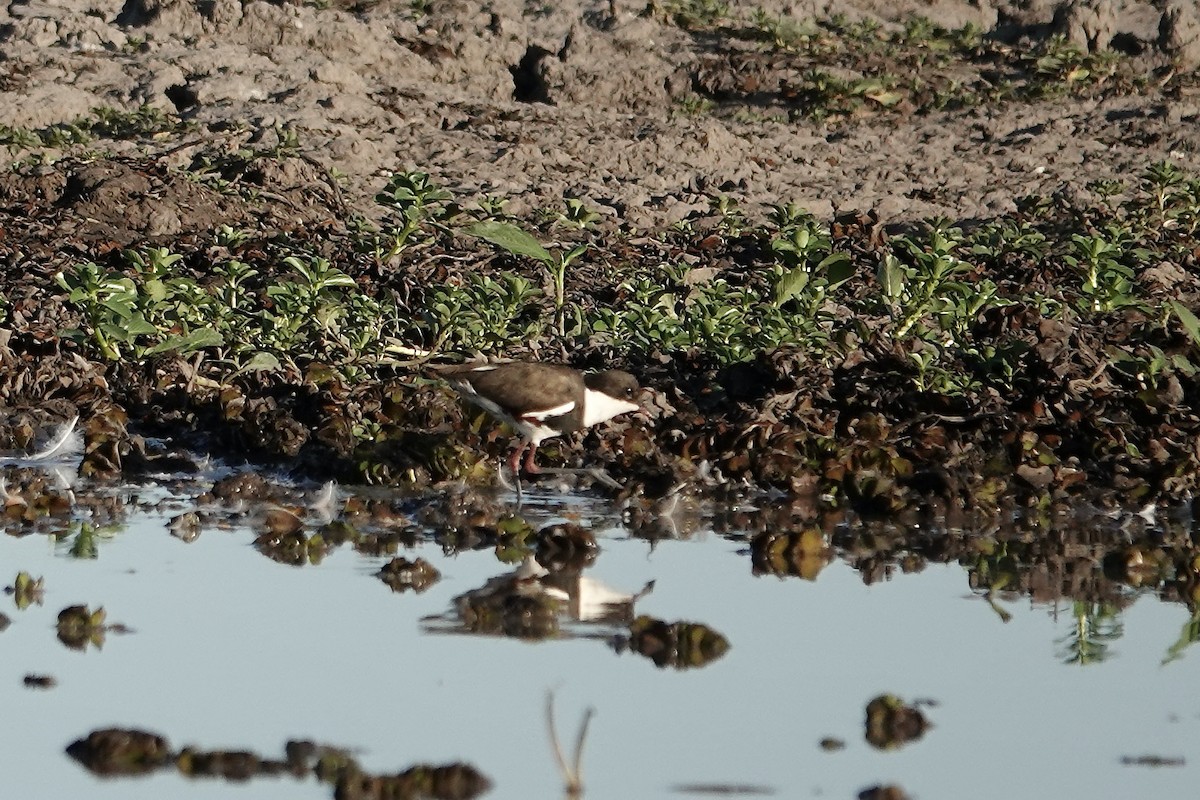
<point>114,752</point>
<point>883,792</point>
<point>120,751</point>
<point>679,645</point>
<point>400,574</point>
<point>891,723</point>
<point>449,782</point>
<point>26,590</point>
<point>509,607</point>
<point>79,626</point>
<point>287,544</point>
<point>801,553</point>
<point>565,547</point>
<point>34,681</point>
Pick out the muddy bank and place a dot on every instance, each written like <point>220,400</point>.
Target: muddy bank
<point>1015,382</point>
<point>643,110</point>
<point>202,251</point>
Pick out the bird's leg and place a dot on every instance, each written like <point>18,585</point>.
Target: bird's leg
<point>595,473</point>
<point>514,466</point>
<point>514,460</point>
<point>530,465</point>
<point>530,451</point>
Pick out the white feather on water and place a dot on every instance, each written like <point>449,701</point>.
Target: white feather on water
<point>65,445</point>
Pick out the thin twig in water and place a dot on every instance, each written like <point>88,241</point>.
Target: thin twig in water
<point>573,773</point>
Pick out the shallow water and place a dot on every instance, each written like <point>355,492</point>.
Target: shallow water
<point>230,650</point>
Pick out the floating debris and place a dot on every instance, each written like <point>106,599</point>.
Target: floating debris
<point>800,553</point>
<point>40,681</point>
<point>724,789</point>
<point>401,574</point>
<point>78,626</point>
<point>1153,761</point>
<point>115,752</point>
<point>26,590</point>
<point>185,527</point>
<point>680,645</point>
<point>121,751</point>
<point>888,792</point>
<point>450,782</point>
<point>891,723</point>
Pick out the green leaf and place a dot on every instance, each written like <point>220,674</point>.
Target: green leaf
<point>790,284</point>
<point>261,362</point>
<point>1189,321</point>
<point>885,98</point>
<point>512,239</point>
<point>138,326</point>
<point>892,277</point>
<point>1188,636</point>
<point>838,268</point>
<point>155,289</point>
<point>196,340</point>
<point>121,306</point>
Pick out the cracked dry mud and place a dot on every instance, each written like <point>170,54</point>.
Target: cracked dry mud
<point>438,87</point>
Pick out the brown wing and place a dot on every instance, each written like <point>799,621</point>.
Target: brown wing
<point>522,387</point>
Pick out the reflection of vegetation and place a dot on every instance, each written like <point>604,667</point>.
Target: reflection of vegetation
<point>26,590</point>
<point>1187,637</point>
<point>1042,562</point>
<point>891,723</point>
<point>400,574</point>
<point>86,541</point>
<point>994,568</point>
<point>781,553</point>
<point>1097,625</point>
<point>127,751</point>
<point>79,626</point>
<point>680,645</point>
<point>293,547</point>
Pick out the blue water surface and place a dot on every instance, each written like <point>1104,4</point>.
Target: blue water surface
<point>230,650</point>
